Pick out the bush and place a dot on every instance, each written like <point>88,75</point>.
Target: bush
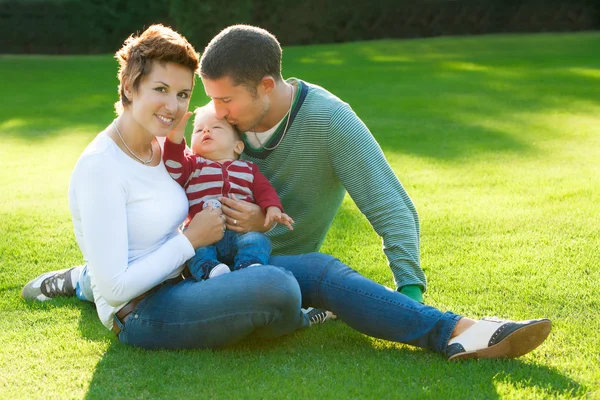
<point>318,21</point>
<point>74,26</point>
<point>200,21</point>
<point>95,26</point>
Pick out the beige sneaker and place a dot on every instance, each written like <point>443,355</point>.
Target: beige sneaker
<point>494,338</point>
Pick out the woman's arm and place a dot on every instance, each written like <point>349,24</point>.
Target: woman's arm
<point>101,201</point>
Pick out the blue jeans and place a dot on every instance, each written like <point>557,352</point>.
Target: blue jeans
<point>266,301</point>
<point>238,250</point>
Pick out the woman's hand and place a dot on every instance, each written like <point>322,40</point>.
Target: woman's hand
<point>207,227</point>
<point>242,216</point>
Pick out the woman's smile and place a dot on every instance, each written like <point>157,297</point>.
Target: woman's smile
<point>165,120</point>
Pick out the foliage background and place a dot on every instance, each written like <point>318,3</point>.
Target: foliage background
<point>100,26</point>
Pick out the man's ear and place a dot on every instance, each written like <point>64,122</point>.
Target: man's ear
<point>239,147</point>
<point>267,83</point>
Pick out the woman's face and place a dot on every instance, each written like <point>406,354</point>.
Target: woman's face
<point>162,97</point>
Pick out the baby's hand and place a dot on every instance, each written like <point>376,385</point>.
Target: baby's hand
<point>176,135</point>
<point>274,214</point>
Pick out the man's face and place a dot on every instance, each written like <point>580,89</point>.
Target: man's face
<point>237,104</point>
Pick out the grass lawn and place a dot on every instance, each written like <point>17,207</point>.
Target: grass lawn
<point>496,139</point>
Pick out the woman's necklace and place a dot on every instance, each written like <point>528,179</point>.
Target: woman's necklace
<point>289,114</point>
<point>131,151</point>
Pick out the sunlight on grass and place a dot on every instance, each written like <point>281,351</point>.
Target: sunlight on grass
<point>12,124</point>
<point>587,72</point>
<point>464,66</point>
<point>49,129</point>
<point>324,57</point>
<point>551,123</point>
<point>376,55</point>
<point>392,59</point>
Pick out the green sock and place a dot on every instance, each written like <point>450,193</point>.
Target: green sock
<point>412,291</point>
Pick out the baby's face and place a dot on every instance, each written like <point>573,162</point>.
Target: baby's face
<point>214,139</point>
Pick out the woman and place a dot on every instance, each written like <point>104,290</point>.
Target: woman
<point>126,212</point>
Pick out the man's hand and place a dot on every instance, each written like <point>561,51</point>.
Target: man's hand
<point>242,216</point>
<point>176,135</point>
<point>274,214</point>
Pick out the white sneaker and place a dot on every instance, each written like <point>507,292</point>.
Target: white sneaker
<point>218,270</point>
<point>494,338</point>
<point>52,284</point>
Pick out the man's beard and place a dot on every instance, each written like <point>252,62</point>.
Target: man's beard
<point>251,127</point>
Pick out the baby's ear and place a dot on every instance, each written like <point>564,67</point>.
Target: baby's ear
<point>239,147</point>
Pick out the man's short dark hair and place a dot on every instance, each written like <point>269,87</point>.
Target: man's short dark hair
<point>243,53</point>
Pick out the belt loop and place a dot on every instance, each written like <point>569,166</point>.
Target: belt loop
<point>117,325</point>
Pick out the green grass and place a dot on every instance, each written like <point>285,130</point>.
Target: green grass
<point>497,140</point>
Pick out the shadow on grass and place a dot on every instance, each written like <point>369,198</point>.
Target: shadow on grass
<point>330,361</point>
<point>325,361</point>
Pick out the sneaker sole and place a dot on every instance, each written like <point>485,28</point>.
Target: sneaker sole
<point>520,342</point>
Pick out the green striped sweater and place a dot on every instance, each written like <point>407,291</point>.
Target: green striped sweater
<point>326,151</point>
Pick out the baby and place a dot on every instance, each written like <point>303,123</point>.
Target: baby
<point>212,170</point>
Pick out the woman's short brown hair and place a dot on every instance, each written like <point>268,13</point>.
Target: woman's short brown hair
<point>157,43</point>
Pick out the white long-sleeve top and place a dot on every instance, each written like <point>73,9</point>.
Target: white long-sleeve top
<point>126,218</point>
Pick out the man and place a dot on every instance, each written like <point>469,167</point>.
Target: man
<point>313,148</point>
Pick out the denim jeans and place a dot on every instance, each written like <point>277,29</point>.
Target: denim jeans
<point>266,301</point>
<point>235,249</point>
<point>368,307</point>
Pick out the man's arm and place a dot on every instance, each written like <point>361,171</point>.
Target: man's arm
<point>362,168</point>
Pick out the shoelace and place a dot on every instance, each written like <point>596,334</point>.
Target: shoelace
<point>54,286</point>
<point>318,317</point>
